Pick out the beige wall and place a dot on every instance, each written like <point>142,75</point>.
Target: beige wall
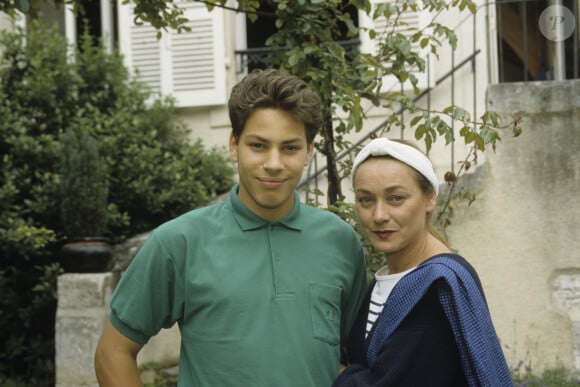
<point>522,233</point>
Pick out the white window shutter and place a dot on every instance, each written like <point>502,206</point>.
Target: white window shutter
<point>20,20</point>
<point>408,19</point>
<point>7,23</point>
<point>190,66</point>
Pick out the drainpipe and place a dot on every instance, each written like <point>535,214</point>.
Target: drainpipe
<point>558,54</point>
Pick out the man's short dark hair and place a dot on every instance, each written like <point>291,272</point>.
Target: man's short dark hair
<point>273,89</point>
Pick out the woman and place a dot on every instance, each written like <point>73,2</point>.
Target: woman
<point>425,321</point>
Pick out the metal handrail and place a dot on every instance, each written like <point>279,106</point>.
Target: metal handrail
<point>309,177</point>
<point>507,40</point>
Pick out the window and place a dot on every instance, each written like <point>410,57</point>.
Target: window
<point>190,66</point>
<point>525,53</point>
<point>97,16</point>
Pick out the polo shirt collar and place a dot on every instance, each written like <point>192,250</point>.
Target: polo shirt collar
<point>247,220</point>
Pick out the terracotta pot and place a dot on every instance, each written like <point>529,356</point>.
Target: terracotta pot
<point>86,255</point>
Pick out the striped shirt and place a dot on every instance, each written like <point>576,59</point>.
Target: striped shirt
<point>383,287</point>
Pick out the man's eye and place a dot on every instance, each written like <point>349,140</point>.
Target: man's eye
<point>290,148</point>
<point>364,200</point>
<point>257,146</point>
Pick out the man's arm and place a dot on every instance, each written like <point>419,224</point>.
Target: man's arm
<point>116,359</point>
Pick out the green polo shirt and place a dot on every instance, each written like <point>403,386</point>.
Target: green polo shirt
<point>258,303</point>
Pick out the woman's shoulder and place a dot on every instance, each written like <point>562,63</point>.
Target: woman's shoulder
<point>457,260</point>
<point>451,258</point>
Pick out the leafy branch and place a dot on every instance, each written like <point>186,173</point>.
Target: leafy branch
<point>429,124</point>
<point>480,135</point>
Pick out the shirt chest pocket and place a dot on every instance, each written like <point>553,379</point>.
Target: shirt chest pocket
<point>325,312</point>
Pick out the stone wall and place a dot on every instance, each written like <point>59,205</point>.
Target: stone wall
<point>83,310</point>
<point>81,315</point>
<point>566,299</point>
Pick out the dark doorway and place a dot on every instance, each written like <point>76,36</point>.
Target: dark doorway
<point>258,32</point>
<point>90,18</point>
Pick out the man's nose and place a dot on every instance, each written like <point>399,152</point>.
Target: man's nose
<point>274,160</point>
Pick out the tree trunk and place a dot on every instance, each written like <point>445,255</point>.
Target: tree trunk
<point>334,192</point>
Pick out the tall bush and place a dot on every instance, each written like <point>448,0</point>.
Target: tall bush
<point>154,173</point>
<point>84,186</point>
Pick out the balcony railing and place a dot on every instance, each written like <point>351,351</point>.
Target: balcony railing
<point>259,58</point>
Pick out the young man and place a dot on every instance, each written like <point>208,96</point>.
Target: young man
<point>264,288</point>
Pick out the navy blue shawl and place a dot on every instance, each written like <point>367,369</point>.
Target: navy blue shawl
<point>465,307</point>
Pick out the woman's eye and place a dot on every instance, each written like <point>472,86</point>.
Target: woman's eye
<point>397,198</point>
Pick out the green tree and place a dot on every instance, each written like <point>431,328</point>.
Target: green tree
<point>85,186</point>
<point>306,43</point>
<point>153,173</point>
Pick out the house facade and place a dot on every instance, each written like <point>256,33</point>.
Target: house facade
<point>506,52</point>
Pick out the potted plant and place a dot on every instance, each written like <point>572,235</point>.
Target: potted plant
<point>83,207</point>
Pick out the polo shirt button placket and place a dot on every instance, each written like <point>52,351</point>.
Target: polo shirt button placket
<point>274,257</point>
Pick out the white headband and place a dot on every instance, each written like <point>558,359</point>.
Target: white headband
<point>402,152</point>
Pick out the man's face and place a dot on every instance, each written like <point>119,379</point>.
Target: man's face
<point>271,154</point>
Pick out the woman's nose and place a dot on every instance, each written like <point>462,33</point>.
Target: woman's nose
<point>381,213</point>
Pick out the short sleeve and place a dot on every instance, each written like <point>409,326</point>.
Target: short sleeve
<point>149,295</point>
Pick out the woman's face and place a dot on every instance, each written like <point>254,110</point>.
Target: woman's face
<point>390,204</point>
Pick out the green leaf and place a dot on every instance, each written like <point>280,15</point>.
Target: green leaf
<point>469,137</point>
<point>460,113</point>
<point>419,132</point>
<point>293,59</point>
<point>472,7</point>
<point>415,120</point>
<point>428,142</point>
<point>449,109</point>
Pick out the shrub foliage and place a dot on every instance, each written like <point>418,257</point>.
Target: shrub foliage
<point>154,174</point>
<point>84,186</point>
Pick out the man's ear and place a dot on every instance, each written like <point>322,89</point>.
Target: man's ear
<point>309,153</point>
<point>233,147</point>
